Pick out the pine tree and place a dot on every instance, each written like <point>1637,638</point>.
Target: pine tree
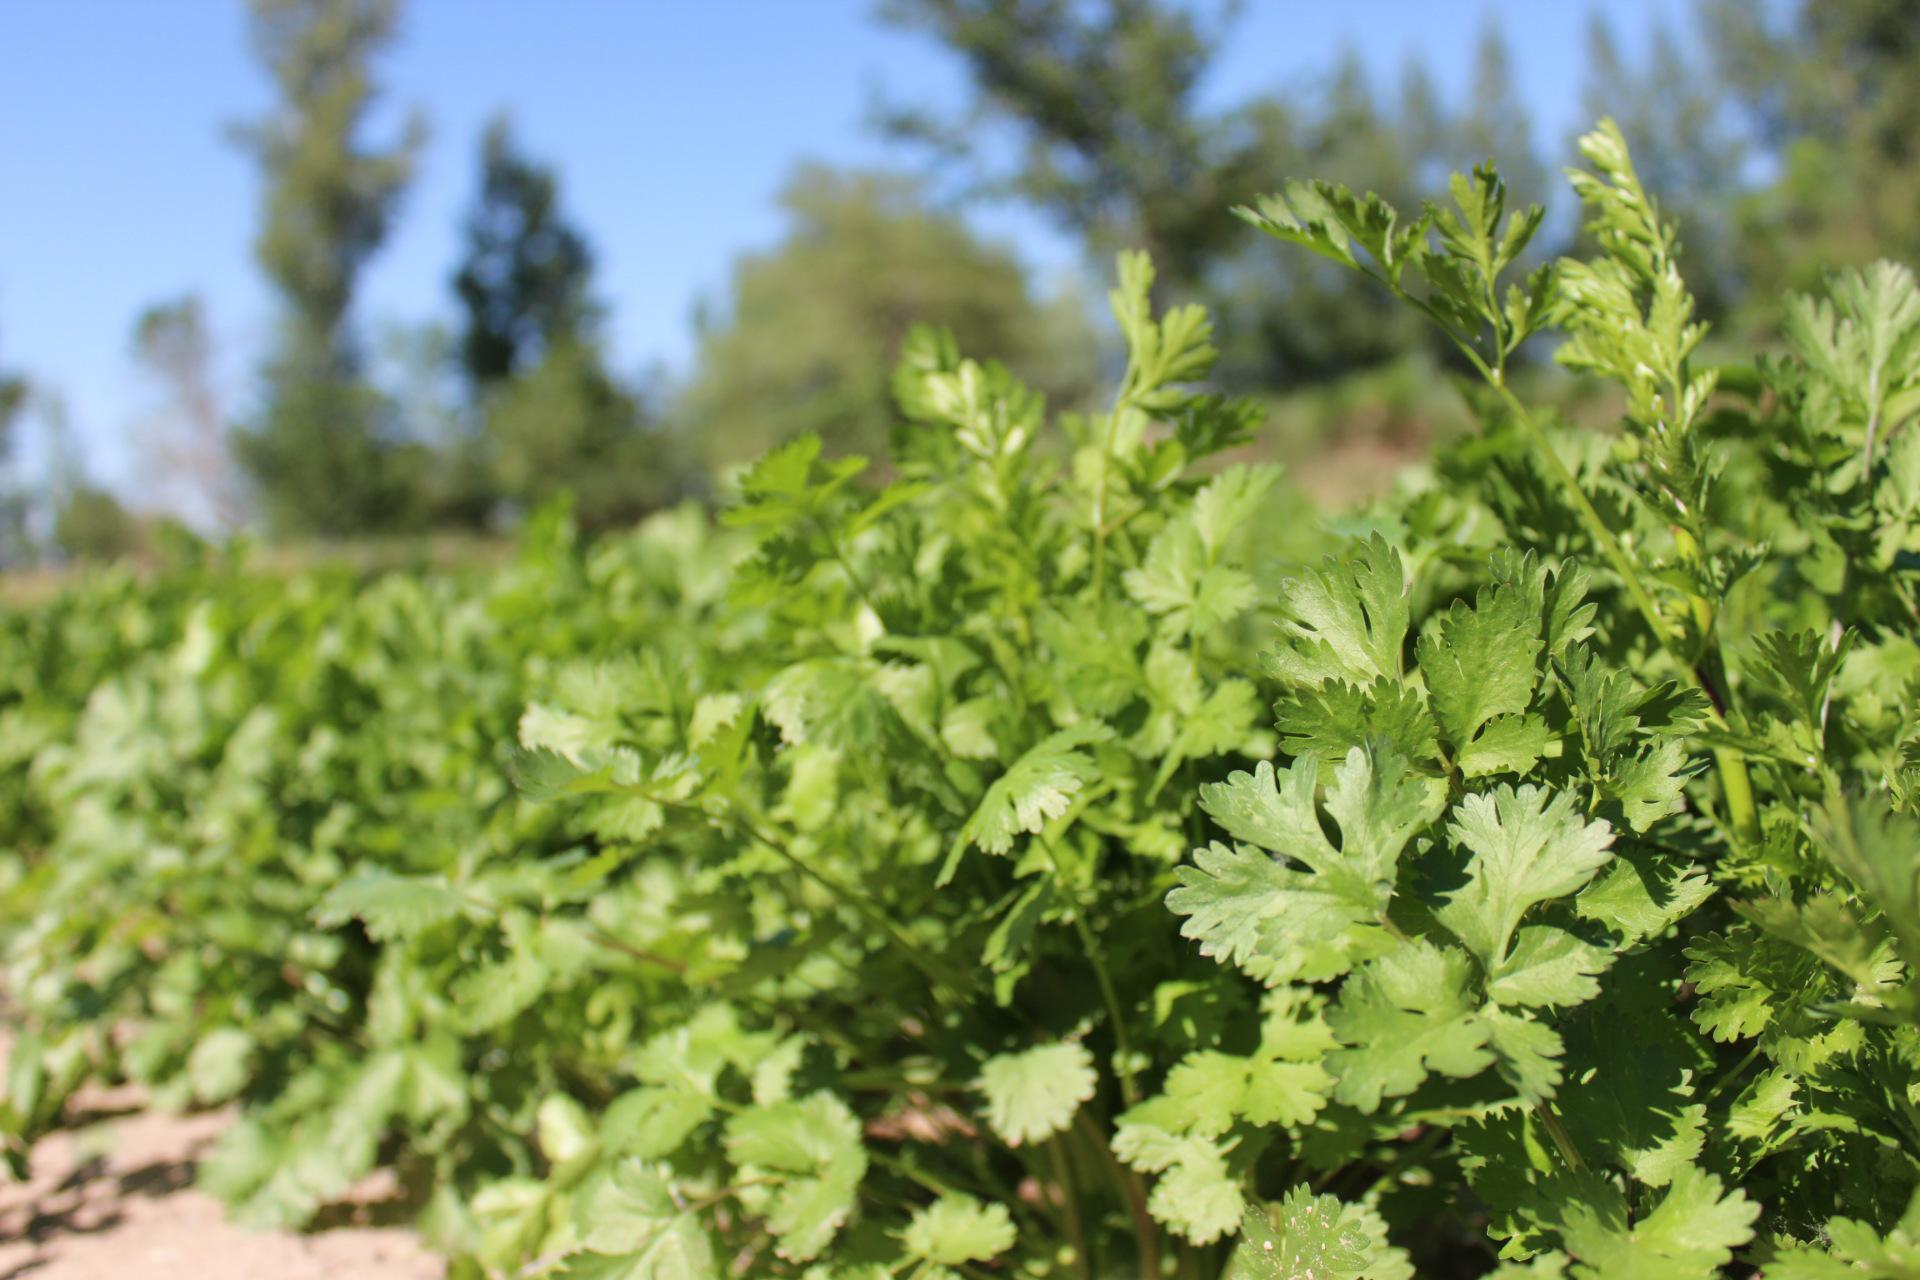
<point>524,283</point>
<point>1831,93</point>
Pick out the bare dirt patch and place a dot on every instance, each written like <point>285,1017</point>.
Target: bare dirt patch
<point>112,1197</point>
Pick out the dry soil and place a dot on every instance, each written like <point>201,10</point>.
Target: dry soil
<point>112,1198</point>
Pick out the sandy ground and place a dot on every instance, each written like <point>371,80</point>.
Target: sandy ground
<point>112,1198</point>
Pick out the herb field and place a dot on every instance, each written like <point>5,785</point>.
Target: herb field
<point>1044,861</point>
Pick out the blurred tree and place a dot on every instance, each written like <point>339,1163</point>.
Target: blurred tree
<point>812,328</point>
<point>91,524</point>
<point>1290,319</point>
<point>13,398</point>
<point>320,452</point>
<point>524,282</point>
<point>553,418</point>
<point>1832,94</point>
<point>15,545</point>
<point>1423,124</point>
<point>1673,118</point>
<point>185,445</point>
<point>566,425</point>
<point>444,464</point>
<point>1496,125</point>
<point>1103,99</point>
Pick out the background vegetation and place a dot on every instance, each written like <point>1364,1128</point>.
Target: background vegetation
<point>1784,149</point>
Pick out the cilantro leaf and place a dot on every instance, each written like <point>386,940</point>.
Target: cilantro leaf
<point>1404,1015</point>
<point>1276,921</point>
<point>1316,1237</point>
<point>1480,663</point>
<point>630,1209</point>
<point>1345,619</point>
<point>1691,1232</point>
<point>957,1228</point>
<point>1529,846</point>
<point>1197,1195</point>
<point>1548,966</point>
<point>1032,1095</point>
<point>390,906</point>
<point>812,1148</point>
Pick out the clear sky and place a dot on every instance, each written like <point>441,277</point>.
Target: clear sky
<point>673,124</point>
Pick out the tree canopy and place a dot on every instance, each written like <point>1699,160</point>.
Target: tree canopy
<point>810,330</point>
<point>320,452</point>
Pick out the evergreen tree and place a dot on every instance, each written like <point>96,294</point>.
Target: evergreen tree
<point>567,426</point>
<point>15,392</point>
<point>1422,123</point>
<point>524,283</point>
<point>809,336</point>
<point>552,417</point>
<point>13,398</point>
<point>320,453</point>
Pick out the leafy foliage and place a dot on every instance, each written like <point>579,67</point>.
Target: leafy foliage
<point>905,879</point>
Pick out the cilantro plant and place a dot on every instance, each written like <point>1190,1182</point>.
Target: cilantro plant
<point>1583,908</point>
<point>1043,859</point>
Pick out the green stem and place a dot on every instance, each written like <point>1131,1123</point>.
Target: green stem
<point>1720,1086</point>
<point>1145,1233</point>
<point>1616,555</point>
<point>853,575</point>
<point>613,943</point>
<point>1736,785</point>
<point>1122,1046</point>
<point>1070,1199</point>
<point>936,970</point>
<point>1735,782</point>
<point>1100,502</point>
<point>1562,1140</point>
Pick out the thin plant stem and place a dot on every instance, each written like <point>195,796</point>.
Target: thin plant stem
<point>1122,1045</point>
<point>1145,1232</point>
<point>1070,1202</point>
<point>1562,1140</point>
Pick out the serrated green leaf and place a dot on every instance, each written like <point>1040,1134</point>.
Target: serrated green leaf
<point>957,1228</point>
<point>1346,619</point>
<point>630,1210</point>
<point>1548,966</point>
<point>1315,1237</point>
<point>1033,1094</point>
<point>390,906</point>
<point>1404,1015</point>
<point>1038,787</point>
<point>813,1148</point>
<point>652,1121</point>
<point>1529,846</point>
<point>1480,663</point>
<point>1278,922</point>
<point>1691,1232</point>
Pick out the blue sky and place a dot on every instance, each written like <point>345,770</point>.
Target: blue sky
<point>673,122</point>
